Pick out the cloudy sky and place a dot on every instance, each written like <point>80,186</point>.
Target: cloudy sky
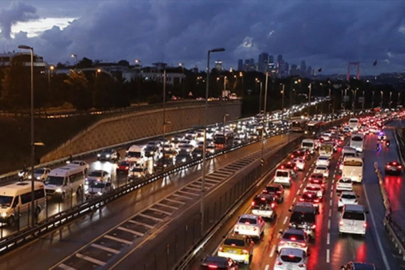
<point>325,33</point>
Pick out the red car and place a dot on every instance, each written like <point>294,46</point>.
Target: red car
<point>310,197</point>
<point>304,153</point>
<point>393,167</point>
<point>123,166</point>
<point>317,178</point>
<point>289,165</point>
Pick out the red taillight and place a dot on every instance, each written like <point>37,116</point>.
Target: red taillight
<point>322,185</point>
<point>365,225</point>
<point>279,192</point>
<point>212,266</point>
<point>399,166</point>
<point>253,203</point>
<point>279,263</point>
<point>221,249</point>
<point>282,242</point>
<point>292,156</point>
<point>282,167</point>
<point>263,198</point>
<point>387,166</point>
<point>301,265</point>
<point>247,222</point>
<point>273,205</point>
<point>293,238</point>
<point>245,251</point>
<point>394,163</point>
<point>301,199</point>
<point>303,244</point>
<point>316,200</point>
<point>313,226</point>
<point>341,222</point>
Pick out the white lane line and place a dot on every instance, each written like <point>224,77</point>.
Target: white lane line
<point>130,231</point>
<point>266,267</point>
<point>105,248</point>
<point>331,194</point>
<point>285,220</point>
<point>328,224</point>
<point>117,239</point>
<point>328,239</point>
<point>327,255</point>
<point>330,202</point>
<point>334,176</point>
<point>175,201</point>
<point>330,212</point>
<point>64,266</point>
<point>159,211</point>
<point>141,224</point>
<point>272,251</point>
<point>90,259</point>
<point>387,266</point>
<point>301,185</point>
<point>295,199</point>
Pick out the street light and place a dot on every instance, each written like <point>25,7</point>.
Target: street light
<point>75,57</point>
<point>390,100</point>
<point>204,157</point>
<point>138,64</point>
<point>50,70</point>
<point>309,98</point>
<point>264,118</point>
<point>182,83</point>
<point>282,100</point>
<point>381,102</point>
<point>25,47</point>
<point>260,95</point>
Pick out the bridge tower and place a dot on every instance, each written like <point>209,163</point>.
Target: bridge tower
<point>351,66</point>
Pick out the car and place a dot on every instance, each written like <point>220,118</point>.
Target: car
<point>264,205</point>
<point>40,174</point>
<point>163,163</point>
<point>291,259</point>
<point>170,153</point>
<point>344,184</point>
<point>97,189</point>
<point>211,149</point>
<point>317,188</point>
<point>302,152</point>
<point>289,165</point>
<point>80,163</point>
<point>300,163</point>
<point>283,176</point>
<point>97,176</point>
<point>353,219</point>
<point>303,217</point>
<point>310,197</point>
<point>197,153</point>
<point>317,178</point>
<point>393,167</point>
<point>137,172</point>
<point>322,161</point>
<point>123,166</point>
<point>237,247</point>
<point>183,157</point>
<point>108,155</point>
<point>322,169</point>
<point>218,263</point>
<point>276,190</point>
<point>358,266</point>
<point>293,238</point>
<point>347,197</point>
<point>152,150</point>
<point>249,224</point>
<point>187,148</point>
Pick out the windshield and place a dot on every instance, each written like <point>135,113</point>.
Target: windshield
<point>54,180</point>
<point>96,173</point>
<point>290,258</point>
<point>282,174</point>
<point>137,169</point>
<point>247,220</point>
<point>321,168</point>
<point>39,171</point>
<point>307,144</point>
<point>299,217</point>
<point>293,236</point>
<point>234,242</point>
<point>357,139</point>
<point>134,154</point>
<point>353,215</point>
<point>6,200</point>
<point>323,158</point>
<point>219,139</point>
<point>349,196</point>
<point>97,185</point>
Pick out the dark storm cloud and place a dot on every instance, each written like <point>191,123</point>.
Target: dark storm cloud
<point>16,12</point>
<point>324,33</point>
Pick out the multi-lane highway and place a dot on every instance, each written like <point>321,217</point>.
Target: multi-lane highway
<point>55,248</point>
<point>329,250</point>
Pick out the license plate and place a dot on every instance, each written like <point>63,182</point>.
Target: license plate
<point>232,251</point>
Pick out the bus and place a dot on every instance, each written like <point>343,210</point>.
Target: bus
<point>223,139</point>
<point>313,128</point>
<point>354,124</point>
<point>298,125</point>
<point>352,167</point>
<point>326,150</point>
<point>356,142</point>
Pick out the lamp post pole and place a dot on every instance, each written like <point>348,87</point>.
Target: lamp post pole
<point>25,47</point>
<point>182,82</point>
<point>138,63</point>
<point>372,100</point>
<point>75,57</point>
<point>282,100</point>
<point>264,118</point>
<point>309,99</point>
<point>381,102</point>
<point>204,157</point>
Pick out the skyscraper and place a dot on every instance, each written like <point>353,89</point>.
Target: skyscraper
<point>240,64</point>
<point>263,62</point>
<point>271,59</point>
<point>309,71</point>
<point>279,58</point>
<point>303,68</point>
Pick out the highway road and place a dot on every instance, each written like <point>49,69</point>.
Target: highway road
<point>53,248</point>
<point>328,250</point>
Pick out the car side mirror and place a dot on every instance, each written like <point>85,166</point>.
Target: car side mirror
<point>280,231</point>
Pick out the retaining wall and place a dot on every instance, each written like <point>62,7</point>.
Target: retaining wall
<point>125,128</point>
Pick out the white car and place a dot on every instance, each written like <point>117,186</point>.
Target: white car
<point>291,259</point>
<point>249,224</point>
<point>283,176</point>
<point>344,184</point>
<point>315,188</point>
<point>40,174</point>
<point>82,164</point>
<point>322,161</point>
<point>347,197</point>
<point>300,163</point>
<point>322,169</point>
<point>294,238</point>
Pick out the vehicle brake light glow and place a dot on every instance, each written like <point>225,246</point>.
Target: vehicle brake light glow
<point>291,256</point>
<point>394,163</point>
<point>365,225</point>
<point>341,222</point>
<point>400,166</point>
<point>273,205</point>
<point>233,245</point>
<point>247,222</point>
<point>303,244</point>
<point>316,200</point>
<point>279,263</point>
<point>245,251</point>
<point>313,226</point>
<point>263,198</point>
<point>253,204</point>
<point>301,199</point>
<point>221,249</point>
<point>293,238</point>
<point>212,266</point>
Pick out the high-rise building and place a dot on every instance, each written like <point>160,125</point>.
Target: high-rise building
<point>247,65</point>
<point>309,71</point>
<point>218,65</point>
<point>303,68</point>
<point>263,62</point>
<point>286,69</point>
<point>240,65</point>
<point>294,70</point>
<point>271,59</point>
<point>279,58</point>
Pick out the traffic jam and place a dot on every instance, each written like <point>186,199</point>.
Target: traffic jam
<point>341,146</point>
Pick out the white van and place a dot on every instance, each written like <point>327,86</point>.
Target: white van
<point>283,177</point>
<point>15,200</point>
<point>352,167</point>
<point>354,124</point>
<point>356,142</point>
<point>136,154</point>
<point>353,219</point>
<point>348,151</point>
<point>65,181</point>
<point>309,144</point>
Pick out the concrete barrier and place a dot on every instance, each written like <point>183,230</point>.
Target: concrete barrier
<point>115,130</point>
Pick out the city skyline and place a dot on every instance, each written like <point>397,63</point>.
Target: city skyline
<point>167,31</point>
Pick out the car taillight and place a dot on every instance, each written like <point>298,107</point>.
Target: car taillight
<point>301,199</point>
<point>303,244</point>
<point>365,225</point>
<point>282,242</point>
<point>323,185</point>
<point>253,204</point>
<point>212,266</point>
<point>341,222</point>
<point>273,205</point>
<point>400,166</point>
<point>221,249</point>
<point>279,263</point>
<point>316,200</point>
<point>387,166</point>
<point>301,265</point>
<point>245,251</point>
<point>293,238</point>
<point>292,156</point>
<point>313,226</point>
<point>279,192</point>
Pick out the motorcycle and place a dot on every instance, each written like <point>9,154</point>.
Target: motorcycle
<point>23,174</point>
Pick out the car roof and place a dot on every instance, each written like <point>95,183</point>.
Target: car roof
<point>220,261</point>
<point>236,236</point>
<point>348,193</point>
<point>316,174</point>
<point>248,216</point>
<point>304,207</point>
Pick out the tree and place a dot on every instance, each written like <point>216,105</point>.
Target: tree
<point>123,63</point>
<point>85,63</point>
<point>16,87</point>
<point>80,94</point>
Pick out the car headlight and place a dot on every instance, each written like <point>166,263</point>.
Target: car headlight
<point>59,190</point>
<point>38,177</point>
<point>107,156</point>
<point>4,214</point>
<point>98,155</point>
<point>100,193</point>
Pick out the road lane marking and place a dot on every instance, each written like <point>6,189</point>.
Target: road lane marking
<point>130,231</point>
<point>331,194</point>
<point>65,267</point>
<point>118,239</point>
<point>328,239</point>
<point>272,251</point>
<point>327,255</point>
<point>285,220</point>
<point>105,248</point>
<point>90,259</point>
<point>330,212</point>
<point>295,199</point>
<point>328,224</point>
<point>330,202</point>
<point>384,257</point>
<point>266,267</point>
<point>302,184</point>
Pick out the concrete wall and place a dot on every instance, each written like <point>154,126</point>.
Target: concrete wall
<point>120,129</point>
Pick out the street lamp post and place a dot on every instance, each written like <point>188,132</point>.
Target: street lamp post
<point>282,100</point>
<point>364,100</point>
<point>25,47</point>
<point>260,94</point>
<point>225,116</point>
<point>204,157</point>
<point>354,92</point>
<point>75,57</point>
<point>381,102</point>
<point>138,63</point>
<point>182,83</point>
<point>390,100</point>
<point>50,70</point>
<point>309,98</point>
<point>399,99</point>
<point>264,118</point>
<point>372,100</point>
